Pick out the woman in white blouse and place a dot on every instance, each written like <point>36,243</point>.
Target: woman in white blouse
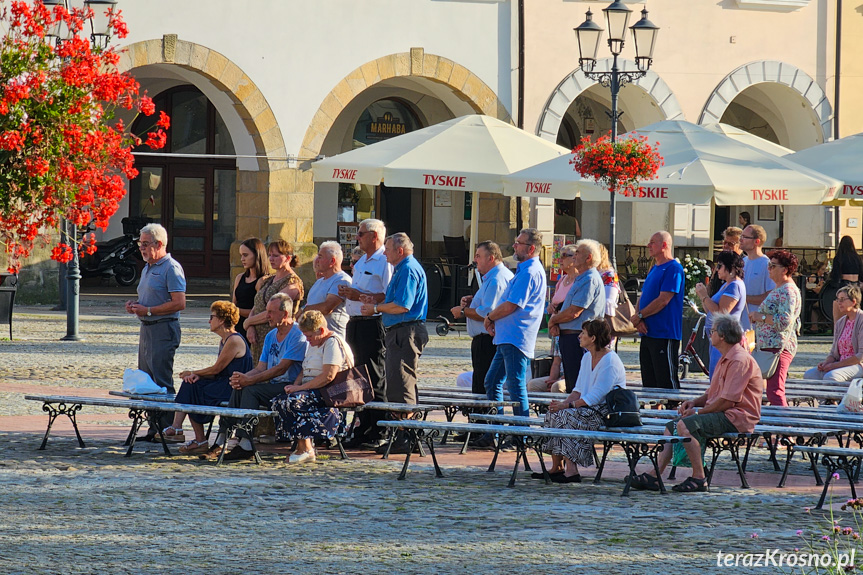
<point>302,413</point>
<point>584,408</point>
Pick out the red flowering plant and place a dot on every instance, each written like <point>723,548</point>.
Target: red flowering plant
<point>62,153</point>
<point>619,166</point>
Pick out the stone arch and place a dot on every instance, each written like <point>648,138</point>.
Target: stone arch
<point>767,72</point>
<point>577,82</point>
<point>416,63</point>
<point>265,185</point>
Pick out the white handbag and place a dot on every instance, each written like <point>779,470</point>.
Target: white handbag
<point>852,402</point>
<point>137,381</point>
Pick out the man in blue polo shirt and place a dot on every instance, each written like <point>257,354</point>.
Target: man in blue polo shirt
<point>515,322</point>
<point>660,315</point>
<point>403,311</point>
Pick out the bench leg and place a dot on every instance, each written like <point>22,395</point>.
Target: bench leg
<point>771,445</point>
<point>672,475</point>
<point>521,452</point>
<point>248,425</point>
<point>537,447</point>
<point>496,452</point>
<point>466,441</point>
<point>735,456</point>
<point>341,447</point>
<point>449,411</point>
<point>137,416</point>
<point>429,440</point>
<point>412,443</point>
<point>61,409</point>
<point>634,452</point>
<point>749,443</point>
<point>833,464</point>
<point>606,447</point>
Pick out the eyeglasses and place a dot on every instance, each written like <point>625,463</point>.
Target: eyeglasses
<point>211,317</point>
<point>843,299</point>
<point>147,244</point>
<point>772,265</point>
<point>713,330</point>
<point>517,243</point>
<point>749,237</point>
<point>361,233</point>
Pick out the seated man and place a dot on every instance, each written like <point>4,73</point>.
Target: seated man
<point>280,364</point>
<point>731,404</point>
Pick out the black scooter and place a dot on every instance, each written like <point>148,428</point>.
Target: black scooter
<point>118,257</point>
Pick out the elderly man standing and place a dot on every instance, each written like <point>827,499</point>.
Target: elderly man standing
<point>755,278</point>
<point>161,298</point>
<point>365,334</point>
<point>515,322</point>
<point>495,277</point>
<point>280,363</point>
<point>732,404</point>
<point>660,315</point>
<point>324,294</point>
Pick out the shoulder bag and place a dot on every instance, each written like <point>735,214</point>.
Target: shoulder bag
<point>621,322</point>
<point>768,361</point>
<point>350,387</point>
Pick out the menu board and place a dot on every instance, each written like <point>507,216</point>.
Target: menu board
<point>348,237</point>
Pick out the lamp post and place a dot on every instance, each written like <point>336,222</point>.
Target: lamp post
<point>588,35</point>
<point>99,38</point>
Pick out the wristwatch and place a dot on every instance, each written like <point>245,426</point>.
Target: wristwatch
<point>641,316</point>
<point>149,313</point>
<point>763,318</point>
<point>375,308</point>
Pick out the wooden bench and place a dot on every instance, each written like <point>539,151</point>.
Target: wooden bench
<point>409,410</point>
<point>834,459</point>
<point>464,404</point>
<point>634,445</point>
<point>141,411</point>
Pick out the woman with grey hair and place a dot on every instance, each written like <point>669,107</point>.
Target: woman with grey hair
<point>845,361</point>
<point>585,301</point>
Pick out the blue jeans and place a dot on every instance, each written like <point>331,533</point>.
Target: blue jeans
<point>511,365</point>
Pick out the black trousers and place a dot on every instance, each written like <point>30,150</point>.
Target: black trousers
<point>482,351</point>
<point>658,357</point>
<point>366,338</point>
<point>571,354</point>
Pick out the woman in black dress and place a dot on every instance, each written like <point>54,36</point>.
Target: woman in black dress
<point>256,266</point>
<point>847,268</point>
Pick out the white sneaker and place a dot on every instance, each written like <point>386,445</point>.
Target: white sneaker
<point>306,456</point>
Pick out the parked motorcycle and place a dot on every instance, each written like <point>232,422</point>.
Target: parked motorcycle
<point>118,257</point>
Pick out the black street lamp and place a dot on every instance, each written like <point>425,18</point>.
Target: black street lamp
<point>99,38</point>
<point>588,34</point>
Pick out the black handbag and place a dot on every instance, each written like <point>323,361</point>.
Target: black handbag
<point>623,408</point>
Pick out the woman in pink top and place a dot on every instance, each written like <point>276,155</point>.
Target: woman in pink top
<point>845,361</point>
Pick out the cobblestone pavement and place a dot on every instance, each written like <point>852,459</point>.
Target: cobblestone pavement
<point>70,510</point>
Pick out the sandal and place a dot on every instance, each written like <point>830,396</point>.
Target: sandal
<point>691,485</point>
<point>174,434</point>
<point>195,447</point>
<point>644,482</point>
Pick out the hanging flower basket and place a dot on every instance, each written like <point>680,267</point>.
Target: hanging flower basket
<point>62,154</point>
<point>618,166</point>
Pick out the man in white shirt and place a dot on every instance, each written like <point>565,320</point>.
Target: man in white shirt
<point>758,283</point>
<point>365,334</point>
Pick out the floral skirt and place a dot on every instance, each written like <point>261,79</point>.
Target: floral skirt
<point>303,415</point>
<point>579,451</point>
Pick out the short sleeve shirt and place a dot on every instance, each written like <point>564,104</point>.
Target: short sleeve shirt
<point>337,320</point>
<point>667,277</point>
<point>527,291</point>
<point>372,274</point>
<point>293,347</point>
<point>735,290</point>
<point>488,297</point>
<point>334,351</point>
<point>407,289</point>
<point>757,283</point>
<point>158,281</point>
<point>588,293</point>
<point>737,378</point>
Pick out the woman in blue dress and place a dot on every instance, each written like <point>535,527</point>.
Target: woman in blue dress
<point>729,299</point>
<point>209,386</point>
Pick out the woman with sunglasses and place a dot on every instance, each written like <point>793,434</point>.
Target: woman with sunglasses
<point>845,361</point>
<point>775,321</point>
<point>730,298</point>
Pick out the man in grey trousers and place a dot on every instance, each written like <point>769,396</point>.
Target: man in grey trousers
<point>161,298</point>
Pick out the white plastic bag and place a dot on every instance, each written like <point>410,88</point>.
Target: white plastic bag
<point>853,400</point>
<point>137,381</point>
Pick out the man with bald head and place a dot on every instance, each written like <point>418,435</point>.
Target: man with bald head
<point>660,315</point>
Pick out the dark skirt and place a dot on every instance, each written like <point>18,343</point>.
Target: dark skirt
<point>579,451</point>
<point>303,415</point>
<point>204,392</point>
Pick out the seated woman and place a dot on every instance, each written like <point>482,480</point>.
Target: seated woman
<point>302,413</point>
<point>846,356</point>
<point>209,386</point>
<point>584,408</point>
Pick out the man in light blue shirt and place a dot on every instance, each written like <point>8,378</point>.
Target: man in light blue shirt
<point>281,362</point>
<point>584,301</point>
<point>475,308</point>
<point>758,283</point>
<point>515,322</point>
